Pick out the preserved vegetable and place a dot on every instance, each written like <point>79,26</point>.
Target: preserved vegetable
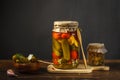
<point>96,54</point>
<point>65,44</point>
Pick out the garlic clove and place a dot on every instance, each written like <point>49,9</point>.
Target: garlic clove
<point>10,72</point>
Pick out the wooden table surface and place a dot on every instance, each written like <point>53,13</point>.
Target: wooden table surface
<point>43,74</point>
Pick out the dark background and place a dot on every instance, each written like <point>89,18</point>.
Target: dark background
<point>26,25</point>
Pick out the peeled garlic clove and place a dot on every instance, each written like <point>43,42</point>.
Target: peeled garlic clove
<point>30,56</point>
<point>10,72</point>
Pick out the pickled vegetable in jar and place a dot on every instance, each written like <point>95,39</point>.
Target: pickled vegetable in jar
<point>96,54</point>
<point>65,44</point>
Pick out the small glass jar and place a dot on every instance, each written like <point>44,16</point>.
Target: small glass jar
<point>65,44</point>
<point>96,54</point>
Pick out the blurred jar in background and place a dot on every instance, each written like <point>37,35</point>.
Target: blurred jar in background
<point>96,54</point>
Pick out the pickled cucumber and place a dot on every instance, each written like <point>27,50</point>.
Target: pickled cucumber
<point>66,49</point>
<point>19,58</point>
<point>58,53</point>
<point>56,44</point>
<point>56,47</point>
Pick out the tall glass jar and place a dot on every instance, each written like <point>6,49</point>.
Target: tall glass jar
<point>65,44</point>
<point>96,54</point>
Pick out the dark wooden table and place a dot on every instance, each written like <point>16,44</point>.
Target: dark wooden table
<point>43,74</point>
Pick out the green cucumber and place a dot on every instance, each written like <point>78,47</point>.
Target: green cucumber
<point>66,49</point>
<point>56,44</point>
<point>58,53</point>
<point>56,47</point>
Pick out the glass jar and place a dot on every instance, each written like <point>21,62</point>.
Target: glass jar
<point>96,54</point>
<point>65,44</point>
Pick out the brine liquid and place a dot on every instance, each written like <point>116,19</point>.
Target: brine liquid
<point>65,49</point>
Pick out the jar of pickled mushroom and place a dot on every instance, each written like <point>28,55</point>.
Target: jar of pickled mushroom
<point>96,54</point>
<point>65,44</point>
